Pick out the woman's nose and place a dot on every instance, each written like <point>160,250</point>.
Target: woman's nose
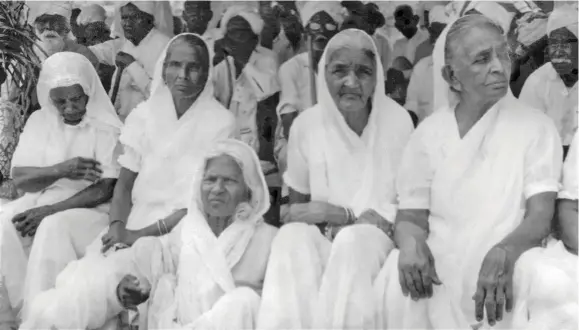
<point>351,80</point>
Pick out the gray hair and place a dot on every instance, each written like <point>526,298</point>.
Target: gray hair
<point>461,27</point>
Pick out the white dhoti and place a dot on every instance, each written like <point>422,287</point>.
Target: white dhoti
<point>313,283</point>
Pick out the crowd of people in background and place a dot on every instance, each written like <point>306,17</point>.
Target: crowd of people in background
<point>298,165</point>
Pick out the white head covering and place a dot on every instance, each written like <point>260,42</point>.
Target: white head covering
<point>310,8</point>
<point>91,13</point>
<point>387,131</point>
<point>247,13</point>
<point>564,15</point>
<point>443,96</point>
<point>438,14</point>
<point>206,260</point>
<point>38,8</point>
<point>494,11</point>
<point>161,11</point>
<point>67,69</point>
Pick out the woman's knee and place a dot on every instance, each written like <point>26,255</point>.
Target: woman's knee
<point>290,234</point>
<point>360,241</point>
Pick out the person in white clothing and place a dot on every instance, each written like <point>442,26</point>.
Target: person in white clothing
<point>164,140</point>
<point>413,35</point>
<point>476,192</point>
<point>342,157</point>
<point>553,87</point>
<point>223,244</point>
<point>65,165</point>
<point>143,29</point>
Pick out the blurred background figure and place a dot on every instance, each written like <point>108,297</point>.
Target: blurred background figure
<point>406,22</point>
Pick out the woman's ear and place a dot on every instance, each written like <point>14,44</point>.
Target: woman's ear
<point>449,76</point>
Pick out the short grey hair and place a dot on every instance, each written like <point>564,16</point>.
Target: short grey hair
<point>462,26</point>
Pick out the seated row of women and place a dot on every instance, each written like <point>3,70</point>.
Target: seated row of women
<point>447,227</point>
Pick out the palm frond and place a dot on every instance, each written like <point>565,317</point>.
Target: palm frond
<point>17,55</point>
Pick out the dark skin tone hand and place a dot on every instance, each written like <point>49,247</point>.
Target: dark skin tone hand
<point>130,292</point>
<point>28,221</point>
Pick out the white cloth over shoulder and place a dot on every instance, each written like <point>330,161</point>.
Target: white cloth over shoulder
<point>330,162</point>
<point>205,262</point>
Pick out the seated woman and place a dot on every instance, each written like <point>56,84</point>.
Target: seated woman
<point>476,194</point>
<point>342,156</point>
<point>65,166</point>
<point>164,139</point>
<point>223,244</point>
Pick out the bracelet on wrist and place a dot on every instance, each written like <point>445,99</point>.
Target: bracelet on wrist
<point>112,222</point>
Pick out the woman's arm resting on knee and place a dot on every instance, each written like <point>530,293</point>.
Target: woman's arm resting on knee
<point>92,196</point>
<point>535,227</point>
<point>411,226</point>
<point>166,225</point>
<point>303,209</point>
<point>567,217</point>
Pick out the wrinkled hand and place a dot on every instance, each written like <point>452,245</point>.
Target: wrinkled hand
<point>118,234</point>
<point>132,292</point>
<point>123,60</point>
<point>81,169</point>
<point>27,222</point>
<point>372,217</point>
<point>416,270</point>
<point>312,213</point>
<point>494,286</point>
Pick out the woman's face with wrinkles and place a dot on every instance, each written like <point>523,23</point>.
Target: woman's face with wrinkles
<point>223,187</point>
<point>351,78</point>
<point>186,68</point>
<point>70,101</point>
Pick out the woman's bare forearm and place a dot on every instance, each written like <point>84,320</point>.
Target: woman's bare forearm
<point>34,179</point>
<point>122,202</point>
<point>567,217</point>
<point>93,196</point>
<point>411,226</point>
<point>170,222</point>
<point>535,227</point>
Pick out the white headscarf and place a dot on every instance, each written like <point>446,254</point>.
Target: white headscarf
<point>161,11</point>
<point>564,15</point>
<point>443,96</point>
<point>310,8</point>
<point>387,131</point>
<point>206,260</point>
<point>67,69</point>
<point>249,14</point>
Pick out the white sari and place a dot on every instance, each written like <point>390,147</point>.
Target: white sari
<point>205,289</point>
<point>312,282</point>
<point>47,141</point>
<point>475,188</point>
<point>165,151</point>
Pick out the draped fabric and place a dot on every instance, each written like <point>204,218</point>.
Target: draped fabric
<point>331,162</point>
<point>166,153</point>
<point>47,141</point>
<point>476,188</point>
<point>206,261</point>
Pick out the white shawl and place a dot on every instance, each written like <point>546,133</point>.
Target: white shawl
<point>206,261</point>
<point>347,169</point>
<point>174,146</point>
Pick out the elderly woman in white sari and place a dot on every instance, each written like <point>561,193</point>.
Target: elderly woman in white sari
<point>476,192</point>
<point>164,139</point>
<point>210,274</point>
<point>342,156</point>
<point>65,166</point>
